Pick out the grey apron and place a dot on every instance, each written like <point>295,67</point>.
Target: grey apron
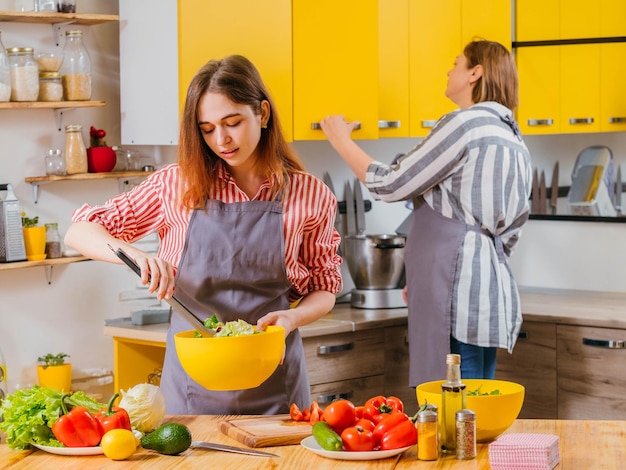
<point>430,258</point>
<point>233,265</point>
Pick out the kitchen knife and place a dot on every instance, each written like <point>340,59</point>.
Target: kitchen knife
<point>350,219</point>
<point>534,208</point>
<point>225,448</point>
<point>554,190</point>
<point>196,323</point>
<point>618,190</point>
<point>543,208</point>
<point>360,208</point>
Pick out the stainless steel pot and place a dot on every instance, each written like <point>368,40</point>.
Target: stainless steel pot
<point>375,261</point>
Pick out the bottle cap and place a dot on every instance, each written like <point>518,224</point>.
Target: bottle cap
<point>453,359</point>
<point>427,416</point>
<point>465,415</point>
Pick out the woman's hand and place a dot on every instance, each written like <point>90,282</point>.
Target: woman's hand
<point>156,273</point>
<point>284,318</point>
<point>336,129</point>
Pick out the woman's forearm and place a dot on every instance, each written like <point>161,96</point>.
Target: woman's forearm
<point>92,240</point>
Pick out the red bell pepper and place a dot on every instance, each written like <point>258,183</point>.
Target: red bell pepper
<point>113,417</point>
<point>377,407</point>
<point>388,422</point>
<point>77,428</point>
<point>404,434</point>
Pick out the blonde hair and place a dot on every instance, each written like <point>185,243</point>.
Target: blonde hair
<point>499,81</point>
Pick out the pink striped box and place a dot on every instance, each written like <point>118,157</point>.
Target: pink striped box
<point>524,452</point>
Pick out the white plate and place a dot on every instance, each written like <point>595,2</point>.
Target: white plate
<point>70,450</point>
<point>311,444</point>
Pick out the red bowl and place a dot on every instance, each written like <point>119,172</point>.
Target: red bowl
<point>101,159</point>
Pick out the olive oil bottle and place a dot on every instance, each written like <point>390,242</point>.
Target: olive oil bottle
<point>452,400</point>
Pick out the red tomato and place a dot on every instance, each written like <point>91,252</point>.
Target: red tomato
<point>359,412</point>
<point>340,414</point>
<point>355,438</point>
<point>365,424</point>
<point>295,413</point>
<point>316,413</point>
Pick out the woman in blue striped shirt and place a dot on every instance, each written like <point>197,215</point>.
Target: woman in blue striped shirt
<point>470,181</point>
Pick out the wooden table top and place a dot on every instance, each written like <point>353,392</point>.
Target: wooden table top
<point>583,445</point>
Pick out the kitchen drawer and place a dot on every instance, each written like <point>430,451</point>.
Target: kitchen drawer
<point>345,356</point>
<point>533,364</point>
<point>397,367</point>
<point>358,391</point>
<point>591,378</point>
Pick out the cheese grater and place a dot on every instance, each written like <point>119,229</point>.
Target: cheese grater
<point>11,234</point>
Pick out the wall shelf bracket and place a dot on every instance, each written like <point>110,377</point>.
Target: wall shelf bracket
<point>49,273</point>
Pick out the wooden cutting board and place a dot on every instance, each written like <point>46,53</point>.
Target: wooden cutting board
<point>266,431</point>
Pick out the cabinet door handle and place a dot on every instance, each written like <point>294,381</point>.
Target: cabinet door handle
<point>523,335</point>
<point>429,123</point>
<point>326,399</point>
<point>388,124</point>
<point>540,122</point>
<point>325,350</point>
<point>316,126</point>
<point>581,120</point>
<point>617,120</point>
<point>609,343</point>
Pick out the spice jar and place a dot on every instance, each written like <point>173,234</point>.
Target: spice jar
<point>465,435</point>
<point>50,87</point>
<point>24,74</point>
<point>75,150</point>
<point>5,73</point>
<point>55,164</point>
<point>76,68</point>
<point>427,435</point>
<point>53,241</point>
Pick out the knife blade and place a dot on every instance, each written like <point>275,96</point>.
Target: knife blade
<point>360,208</point>
<point>534,208</point>
<point>350,219</point>
<point>554,190</point>
<point>618,190</point>
<point>225,448</point>
<point>195,322</point>
<point>542,193</point>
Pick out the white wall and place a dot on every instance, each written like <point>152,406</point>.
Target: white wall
<point>68,315</point>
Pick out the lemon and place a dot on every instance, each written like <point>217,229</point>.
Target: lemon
<point>119,444</point>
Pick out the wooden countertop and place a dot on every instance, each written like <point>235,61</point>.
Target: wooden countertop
<point>583,445</point>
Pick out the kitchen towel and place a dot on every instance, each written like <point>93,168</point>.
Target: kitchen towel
<point>524,452</point>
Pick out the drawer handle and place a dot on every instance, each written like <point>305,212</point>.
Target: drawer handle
<point>523,335</point>
<point>326,399</point>
<point>325,350</point>
<point>540,122</point>
<point>429,123</point>
<point>389,124</point>
<point>581,120</point>
<point>316,126</point>
<point>617,120</point>
<point>609,343</point>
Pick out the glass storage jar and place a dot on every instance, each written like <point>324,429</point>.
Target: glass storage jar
<point>75,150</point>
<point>24,74</point>
<point>53,241</point>
<point>50,87</point>
<point>5,73</point>
<point>55,164</point>
<point>76,68</point>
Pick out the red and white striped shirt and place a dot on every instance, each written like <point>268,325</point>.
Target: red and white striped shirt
<point>309,209</point>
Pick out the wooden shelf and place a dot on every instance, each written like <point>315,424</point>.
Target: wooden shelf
<point>50,104</point>
<point>49,17</point>
<point>44,262</point>
<point>87,176</point>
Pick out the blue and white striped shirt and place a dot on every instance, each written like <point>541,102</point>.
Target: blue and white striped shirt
<point>475,168</point>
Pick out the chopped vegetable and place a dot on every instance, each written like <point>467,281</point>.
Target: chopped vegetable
<point>231,328</point>
<point>27,414</point>
<point>145,405</point>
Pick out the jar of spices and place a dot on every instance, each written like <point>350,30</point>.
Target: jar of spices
<point>465,435</point>
<point>75,150</point>
<point>53,241</point>
<point>55,164</point>
<point>24,74</point>
<point>427,435</point>
<point>76,68</point>
<point>5,73</point>
<point>50,87</point>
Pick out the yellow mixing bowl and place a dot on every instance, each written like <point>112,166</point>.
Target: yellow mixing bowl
<point>494,413</point>
<point>231,362</point>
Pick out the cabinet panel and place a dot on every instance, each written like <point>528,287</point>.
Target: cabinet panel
<point>580,92</point>
<point>612,89</point>
<point>591,379</point>
<point>397,367</point>
<point>533,364</point>
<point>530,25</point>
<point>492,21</point>
<point>579,19</point>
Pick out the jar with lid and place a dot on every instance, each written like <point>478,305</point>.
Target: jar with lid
<point>427,435</point>
<point>50,87</point>
<point>55,164</point>
<point>24,74</point>
<point>465,435</point>
<point>75,150</point>
<point>76,68</point>
<point>53,241</point>
<point>5,73</point>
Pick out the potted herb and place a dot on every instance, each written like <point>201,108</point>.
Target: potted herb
<point>55,372</point>
<point>34,238</point>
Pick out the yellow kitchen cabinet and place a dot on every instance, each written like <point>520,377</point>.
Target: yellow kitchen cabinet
<point>212,29</point>
<point>335,65</point>
<point>537,20</point>
<point>487,19</point>
<point>612,90</point>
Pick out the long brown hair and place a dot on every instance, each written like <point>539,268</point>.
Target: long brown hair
<point>238,79</point>
<point>499,81</point>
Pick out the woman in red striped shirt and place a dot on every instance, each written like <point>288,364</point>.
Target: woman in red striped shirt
<point>243,231</point>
